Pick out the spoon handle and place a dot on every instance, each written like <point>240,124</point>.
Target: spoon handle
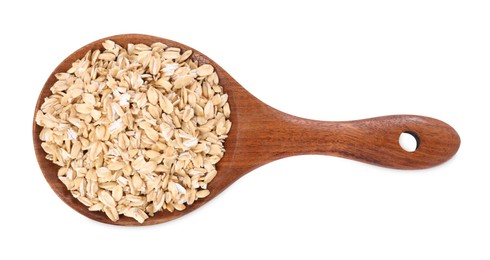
<point>373,140</point>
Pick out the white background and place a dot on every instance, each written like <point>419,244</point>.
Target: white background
<point>338,60</point>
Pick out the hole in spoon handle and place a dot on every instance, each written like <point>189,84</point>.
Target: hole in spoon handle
<point>378,141</point>
<point>409,141</point>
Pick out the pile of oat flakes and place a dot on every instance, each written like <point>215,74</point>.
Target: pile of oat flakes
<point>137,130</point>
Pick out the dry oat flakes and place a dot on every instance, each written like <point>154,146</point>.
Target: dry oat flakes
<point>136,130</point>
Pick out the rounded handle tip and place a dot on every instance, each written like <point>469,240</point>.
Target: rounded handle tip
<point>436,141</point>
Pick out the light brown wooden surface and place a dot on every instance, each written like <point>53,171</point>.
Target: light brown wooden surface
<point>261,134</point>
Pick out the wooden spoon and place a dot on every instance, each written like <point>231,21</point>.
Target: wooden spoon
<point>261,134</point>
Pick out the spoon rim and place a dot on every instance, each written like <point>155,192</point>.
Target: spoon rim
<point>50,169</point>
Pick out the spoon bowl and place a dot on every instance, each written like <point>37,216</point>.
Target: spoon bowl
<point>261,134</point>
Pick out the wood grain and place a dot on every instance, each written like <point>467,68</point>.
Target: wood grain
<point>261,134</point>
